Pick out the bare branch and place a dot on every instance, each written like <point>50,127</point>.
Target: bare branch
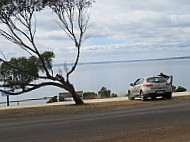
<point>3,56</point>
<point>68,13</point>
<point>35,86</point>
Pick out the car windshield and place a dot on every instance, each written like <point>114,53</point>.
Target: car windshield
<point>156,80</point>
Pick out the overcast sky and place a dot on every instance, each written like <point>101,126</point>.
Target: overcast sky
<point>120,30</point>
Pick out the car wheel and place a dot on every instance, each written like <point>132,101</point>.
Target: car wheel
<point>130,96</point>
<point>153,98</point>
<point>169,96</point>
<point>143,97</point>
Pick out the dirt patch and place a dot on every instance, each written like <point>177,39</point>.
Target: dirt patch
<point>68,110</point>
<point>179,134</point>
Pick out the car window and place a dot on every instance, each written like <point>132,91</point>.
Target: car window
<point>136,82</point>
<point>139,81</point>
<point>156,80</point>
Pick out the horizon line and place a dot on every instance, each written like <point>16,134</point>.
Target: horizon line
<point>125,61</point>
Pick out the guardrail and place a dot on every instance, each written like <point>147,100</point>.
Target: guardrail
<point>26,100</point>
<point>60,97</point>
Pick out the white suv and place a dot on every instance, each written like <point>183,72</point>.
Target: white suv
<point>151,87</point>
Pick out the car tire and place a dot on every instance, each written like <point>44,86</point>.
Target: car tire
<point>143,97</point>
<point>169,96</point>
<point>153,98</point>
<point>130,96</point>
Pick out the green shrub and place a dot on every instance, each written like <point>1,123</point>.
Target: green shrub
<point>104,93</point>
<point>53,99</point>
<point>180,89</point>
<point>114,95</point>
<point>89,95</point>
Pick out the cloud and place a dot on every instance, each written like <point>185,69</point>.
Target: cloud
<point>158,26</point>
<point>121,29</point>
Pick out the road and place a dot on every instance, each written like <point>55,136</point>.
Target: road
<point>97,126</point>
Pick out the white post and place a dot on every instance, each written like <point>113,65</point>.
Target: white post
<point>58,98</point>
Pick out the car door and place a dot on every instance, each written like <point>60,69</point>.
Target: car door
<point>135,87</point>
<point>139,86</point>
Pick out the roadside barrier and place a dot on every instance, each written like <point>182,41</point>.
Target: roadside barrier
<point>26,100</point>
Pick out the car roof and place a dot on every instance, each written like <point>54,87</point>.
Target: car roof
<point>150,77</point>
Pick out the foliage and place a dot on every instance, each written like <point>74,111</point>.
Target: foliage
<point>25,70</point>
<point>180,89</point>
<point>52,100</point>
<point>114,95</point>
<point>11,75</point>
<point>48,59</point>
<point>104,92</point>
<point>90,95</point>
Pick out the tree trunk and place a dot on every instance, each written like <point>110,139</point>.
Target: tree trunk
<point>76,97</point>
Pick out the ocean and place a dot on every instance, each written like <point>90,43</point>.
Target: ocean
<point>115,76</point>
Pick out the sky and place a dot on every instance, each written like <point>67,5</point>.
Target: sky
<point>119,30</point>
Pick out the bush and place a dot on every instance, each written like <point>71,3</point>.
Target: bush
<point>114,95</point>
<point>104,93</point>
<point>180,89</point>
<point>53,99</point>
<point>89,95</point>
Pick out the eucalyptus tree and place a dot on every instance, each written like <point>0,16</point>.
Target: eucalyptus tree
<point>18,75</point>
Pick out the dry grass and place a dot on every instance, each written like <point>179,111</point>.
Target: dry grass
<point>68,110</point>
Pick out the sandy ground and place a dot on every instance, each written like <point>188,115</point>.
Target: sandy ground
<point>180,134</point>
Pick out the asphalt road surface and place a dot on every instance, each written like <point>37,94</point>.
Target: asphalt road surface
<point>97,126</point>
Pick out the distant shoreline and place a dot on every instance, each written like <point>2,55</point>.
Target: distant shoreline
<point>125,61</point>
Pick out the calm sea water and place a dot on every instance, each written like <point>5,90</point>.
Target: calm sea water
<point>115,77</point>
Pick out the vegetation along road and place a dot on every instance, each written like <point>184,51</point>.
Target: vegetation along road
<point>154,121</point>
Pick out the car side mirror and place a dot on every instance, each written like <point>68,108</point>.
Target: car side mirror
<point>131,84</point>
